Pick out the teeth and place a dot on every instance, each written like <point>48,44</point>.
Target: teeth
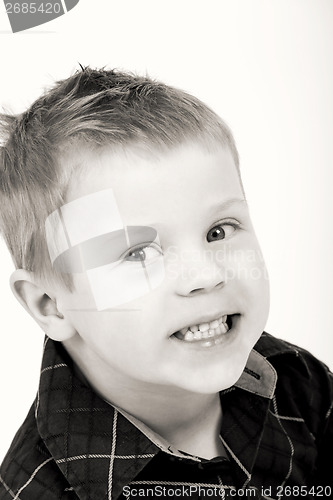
<point>198,335</point>
<point>224,327</point>
<point>214,329</point>
<point>189,336</point>
<point>203,327</point>
<point>218,340</point>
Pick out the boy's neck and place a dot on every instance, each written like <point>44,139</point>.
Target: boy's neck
<point>194,425</point>
<point>190,422</point>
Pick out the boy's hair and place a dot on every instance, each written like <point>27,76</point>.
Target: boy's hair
<point>97,108</point>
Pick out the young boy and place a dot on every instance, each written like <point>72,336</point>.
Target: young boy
<point>123,208</point>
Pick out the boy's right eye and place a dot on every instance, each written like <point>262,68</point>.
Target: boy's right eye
<point>135,255</point>
<point>144,252</point>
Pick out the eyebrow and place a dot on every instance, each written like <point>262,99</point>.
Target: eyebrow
<point>219,207</point>
<point>102,250</point>
<point>225,205</point>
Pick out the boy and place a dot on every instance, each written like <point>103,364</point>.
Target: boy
<point>136,255</point>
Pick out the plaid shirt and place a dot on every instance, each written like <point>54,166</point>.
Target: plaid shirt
<point>277,430</point>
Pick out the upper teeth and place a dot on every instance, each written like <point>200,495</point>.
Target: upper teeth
<point>205,330</point>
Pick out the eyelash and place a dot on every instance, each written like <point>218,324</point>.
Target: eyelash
<point>141,246</point>
<point>233,223</point>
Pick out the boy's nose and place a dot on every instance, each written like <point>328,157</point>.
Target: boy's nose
<point>197,291</point>
<point>200,278</point>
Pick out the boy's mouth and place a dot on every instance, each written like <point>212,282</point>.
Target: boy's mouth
<point>210,333</point>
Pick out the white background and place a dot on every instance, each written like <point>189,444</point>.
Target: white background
<point>266,67</point>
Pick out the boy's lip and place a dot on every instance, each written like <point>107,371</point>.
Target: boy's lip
<point>218,337</point>
<point>206,319</point>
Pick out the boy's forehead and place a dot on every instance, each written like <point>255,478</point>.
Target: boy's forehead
<point>138,170</point>
<point>95,218</point>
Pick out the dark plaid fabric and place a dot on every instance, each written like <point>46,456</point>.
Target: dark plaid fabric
<point>277,430</point>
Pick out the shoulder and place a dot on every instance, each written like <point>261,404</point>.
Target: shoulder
<point>28,469</point>
<point>304,382</point>
<point>302,407</point>
<point>278,351</point>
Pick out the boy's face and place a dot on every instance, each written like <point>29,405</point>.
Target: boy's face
<point>196,241</point>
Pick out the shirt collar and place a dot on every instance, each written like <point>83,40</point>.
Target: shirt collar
<point>158,440</point>
<point>96,448</point>
<point>259,376</point>
<point>270,347</point>
<point>78,426</point>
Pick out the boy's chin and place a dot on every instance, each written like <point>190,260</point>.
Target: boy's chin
<point>220,373</point>
<point>213,383</point>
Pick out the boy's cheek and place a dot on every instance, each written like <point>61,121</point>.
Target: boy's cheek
<point>119,285</point>
<point>112,286</point>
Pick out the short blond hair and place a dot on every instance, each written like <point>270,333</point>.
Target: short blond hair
<point>99,108</point>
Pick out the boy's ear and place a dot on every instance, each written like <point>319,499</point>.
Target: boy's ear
<point>41,306</point>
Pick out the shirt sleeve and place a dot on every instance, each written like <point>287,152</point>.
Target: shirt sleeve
<point>324,471</point>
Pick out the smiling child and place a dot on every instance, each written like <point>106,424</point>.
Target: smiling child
<point>135,253</point>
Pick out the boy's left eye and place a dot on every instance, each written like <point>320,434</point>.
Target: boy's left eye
<point>221,231</point>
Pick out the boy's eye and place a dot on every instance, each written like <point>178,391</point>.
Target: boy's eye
<point>136,255</point>
<point>142,253</point>
<point>221,231</point>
